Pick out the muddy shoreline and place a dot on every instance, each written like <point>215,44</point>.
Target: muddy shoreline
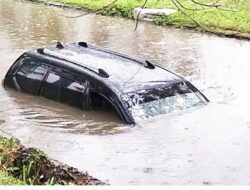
<point>218,32</point>
<point>61,173</point>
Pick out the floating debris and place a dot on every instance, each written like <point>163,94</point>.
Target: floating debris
<point>151,14</point>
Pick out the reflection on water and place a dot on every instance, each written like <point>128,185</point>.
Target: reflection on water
<point>203,146</point>
<point>23,109</point>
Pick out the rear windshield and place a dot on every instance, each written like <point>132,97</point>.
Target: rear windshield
<point>162,100</point>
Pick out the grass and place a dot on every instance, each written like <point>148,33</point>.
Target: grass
<point>28,166</point>
<point>16,167</point>
<point>7,148</point>
<point>236,15</point>
<point>6,179</point>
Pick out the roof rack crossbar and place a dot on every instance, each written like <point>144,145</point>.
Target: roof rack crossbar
<point>51,53</point>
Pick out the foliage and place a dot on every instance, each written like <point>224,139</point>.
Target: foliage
<point>19,165</point>
<point>235,15</point>
<point>5,179</point>
<point>230,15</point>
<point>28,163</point>
<point>7,149</point>
<point>28,166</point>
<point>118,10</point>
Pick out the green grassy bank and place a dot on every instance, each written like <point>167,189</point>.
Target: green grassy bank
<point>7,148</point>
<point>28,166</point>
<point>234,14</point>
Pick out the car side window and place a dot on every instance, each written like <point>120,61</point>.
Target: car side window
<point>65,88</point>
<point>30,76</point>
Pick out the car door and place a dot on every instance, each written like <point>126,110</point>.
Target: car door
<point>66,87</point>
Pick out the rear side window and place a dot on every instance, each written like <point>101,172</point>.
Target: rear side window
<point>65,88</point>
<point>30,76</point>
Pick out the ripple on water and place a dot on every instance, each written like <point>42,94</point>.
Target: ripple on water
<point>2,122</point>
<point>61,145</point>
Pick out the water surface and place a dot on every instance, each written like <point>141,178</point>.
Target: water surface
<point>209,145</point>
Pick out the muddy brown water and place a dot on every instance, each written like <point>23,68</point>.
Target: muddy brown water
<point>209,145</point>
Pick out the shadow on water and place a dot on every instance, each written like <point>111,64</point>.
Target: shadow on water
<point>201,146</point>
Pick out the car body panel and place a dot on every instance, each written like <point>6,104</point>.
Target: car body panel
<point>78,70</point>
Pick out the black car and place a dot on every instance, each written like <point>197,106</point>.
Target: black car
<point>89,77</point>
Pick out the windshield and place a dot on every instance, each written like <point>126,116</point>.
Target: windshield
<point>162,100</point>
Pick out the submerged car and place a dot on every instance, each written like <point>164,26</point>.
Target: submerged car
<point>90,77</point>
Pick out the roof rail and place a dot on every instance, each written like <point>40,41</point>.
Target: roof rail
<point>40,50</point>
<point>145,63</point>
<point>59,45</point>
<point>83,44</point>
<point>59,55</point>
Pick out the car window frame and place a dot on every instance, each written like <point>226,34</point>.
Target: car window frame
<point>18,65</point>
<point>66,73</point>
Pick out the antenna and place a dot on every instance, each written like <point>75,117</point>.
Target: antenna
<point>103,73</point>
<point>149,65</point>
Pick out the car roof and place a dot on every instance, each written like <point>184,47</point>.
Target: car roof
<point>123,72</point>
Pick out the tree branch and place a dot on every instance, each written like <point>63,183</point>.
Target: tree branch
<point>182,6</point>
<point>207,5</point>
<point>138,15</point>
<point>183,12</point>
<point>98,10</point>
